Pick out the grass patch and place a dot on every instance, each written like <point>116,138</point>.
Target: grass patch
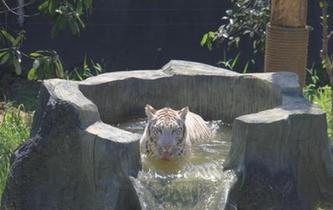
<point>14,129</point>
<point>322,98</point>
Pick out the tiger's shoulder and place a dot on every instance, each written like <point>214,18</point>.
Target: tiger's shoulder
<point>197,129</point>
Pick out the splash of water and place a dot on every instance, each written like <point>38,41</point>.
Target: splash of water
<point>196,183</point>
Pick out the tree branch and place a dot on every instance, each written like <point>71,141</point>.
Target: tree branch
<point>12,10</point>
<point>329,36</point>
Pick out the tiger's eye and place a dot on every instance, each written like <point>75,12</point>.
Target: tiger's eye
<point>178,132</point>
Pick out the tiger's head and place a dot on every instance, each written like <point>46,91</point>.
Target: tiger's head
<point>167,132</point>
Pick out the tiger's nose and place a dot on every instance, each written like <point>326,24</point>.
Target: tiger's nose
<point>167,148</point>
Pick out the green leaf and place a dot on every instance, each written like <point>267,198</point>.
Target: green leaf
<point>43,6</point>
<point>204,39</point>
<point>98,68</point>
<point>19,39</point>
<point>85,63</point>
<point>58,26</point>
<point>52,6</point>
<point>17,67</point>
<point>79,20</point>
<point>78,75</point>
<point>35,54</point>
<point>73,26</point>
<point>9,37</point>
<point>234,62</point>
<point>32,74</point>
<point>41,69</point>
<point>209,45</point>
<point>79,7</point>
<point>47,68</point>
<point>2,54</point>
<point>212,34</point>
<point>36,64</point>
<point>59,70</point>
<point>4,49</point>
<point>237,40</point>
<point>4,57</point>
<point>246,67</point>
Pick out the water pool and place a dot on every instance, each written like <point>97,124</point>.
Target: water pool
<point>196,183</point>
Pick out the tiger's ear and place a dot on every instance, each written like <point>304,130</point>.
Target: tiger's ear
<point>183,112</point>
<point>150,111</point>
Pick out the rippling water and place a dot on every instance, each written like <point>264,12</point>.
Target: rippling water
<point>196,183</point>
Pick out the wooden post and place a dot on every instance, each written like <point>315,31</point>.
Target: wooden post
<point>287,38</point>
<point>288,13</point>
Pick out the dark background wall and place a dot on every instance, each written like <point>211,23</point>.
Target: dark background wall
<point>130,34</point>
<point>144,34</point>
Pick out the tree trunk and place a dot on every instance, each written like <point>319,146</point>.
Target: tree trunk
<point>326,60</point>
<point>289,13</point>
<point>287,38</point>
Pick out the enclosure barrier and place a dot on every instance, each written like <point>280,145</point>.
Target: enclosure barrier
<point>74,160</point>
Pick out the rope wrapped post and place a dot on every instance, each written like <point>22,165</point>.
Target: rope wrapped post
<point>287,38</point>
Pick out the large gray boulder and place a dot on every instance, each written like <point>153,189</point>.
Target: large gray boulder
<point>282,157</point>
<point>75,160</point>
<point>72,160</point>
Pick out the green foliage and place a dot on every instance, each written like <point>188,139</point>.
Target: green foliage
<point>232,63</point>
<point>13,131</point>
<point>65,14</point>
<point>310,90</point>
<point>326,58</point>
<point>46,65</point>
<point>89,68</point>
<point>10,53</point>
<point>208,39</point>
<point>322,97</point>
<point>323,3</point>
<point>246,20</point>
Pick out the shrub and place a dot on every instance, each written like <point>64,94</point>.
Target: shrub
<point>244,23</point>
<point>14,129</point>
<point>322,98</point>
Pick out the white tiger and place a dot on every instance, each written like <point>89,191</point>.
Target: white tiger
<point>170,133</point>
